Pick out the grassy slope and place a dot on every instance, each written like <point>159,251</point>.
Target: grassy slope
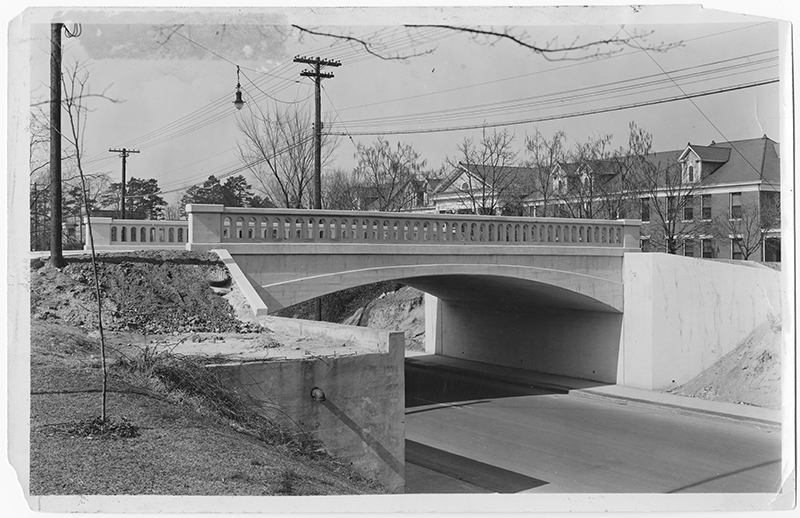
<point>186,445</point>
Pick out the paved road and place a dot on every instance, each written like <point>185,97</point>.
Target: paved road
<point>469,436</point>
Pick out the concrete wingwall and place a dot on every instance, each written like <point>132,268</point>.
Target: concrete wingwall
<point>575,343</point>
<point>362,418</point>
<point>683,314</point>
<point>680,316</point>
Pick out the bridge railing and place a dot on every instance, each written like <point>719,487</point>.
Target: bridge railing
<point>218,224</point>
<point>113,233</point>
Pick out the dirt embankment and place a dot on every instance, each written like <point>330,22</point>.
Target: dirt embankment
<point>389,306</point>
<point>750,374</point>
<point>400,310</point>
<point>149,292</point>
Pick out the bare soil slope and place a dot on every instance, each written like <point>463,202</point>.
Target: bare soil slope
<point>400,310</point>
<point>750,374</point>
<point>150,292</point>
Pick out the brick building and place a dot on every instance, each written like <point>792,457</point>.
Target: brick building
<point>716,201</point>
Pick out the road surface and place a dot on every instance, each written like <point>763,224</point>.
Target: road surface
<point>467,435</point>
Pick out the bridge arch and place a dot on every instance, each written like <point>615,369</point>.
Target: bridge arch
<point>524,284</point>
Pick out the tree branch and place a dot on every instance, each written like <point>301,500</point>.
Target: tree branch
<point>548,51</point>
<point>367,46</point>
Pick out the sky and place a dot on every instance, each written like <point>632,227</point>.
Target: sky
<point>175,94</point>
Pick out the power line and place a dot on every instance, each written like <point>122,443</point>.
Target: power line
<point>568,115</point>
<point>538,72</point>
<point>516,105</point>
<point>239,169</point>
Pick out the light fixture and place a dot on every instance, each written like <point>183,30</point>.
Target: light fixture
<point>238,102</point>
<point>317,394</point>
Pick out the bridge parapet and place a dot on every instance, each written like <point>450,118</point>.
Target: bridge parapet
<point>219,224</point>
<point>127,234</point>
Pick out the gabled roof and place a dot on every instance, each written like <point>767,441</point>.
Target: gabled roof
<point>507,174</point>
<point>600,167</point>
<point>710,153</point>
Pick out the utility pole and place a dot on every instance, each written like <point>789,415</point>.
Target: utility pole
<point>317,74</point>
<point>123,153</point>
<point>56,244</point>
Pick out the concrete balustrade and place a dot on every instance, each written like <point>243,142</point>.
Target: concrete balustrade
<point>128,234</point>
<point>218,224</point>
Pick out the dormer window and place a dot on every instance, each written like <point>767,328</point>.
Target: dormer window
<point>691,174</point>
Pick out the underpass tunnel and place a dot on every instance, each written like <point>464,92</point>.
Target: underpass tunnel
<point>522,324</point>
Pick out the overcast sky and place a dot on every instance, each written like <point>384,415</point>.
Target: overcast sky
<point>176,94</point>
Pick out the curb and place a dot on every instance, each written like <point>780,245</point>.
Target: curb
<point>684,408</point>
<point>584,392</point>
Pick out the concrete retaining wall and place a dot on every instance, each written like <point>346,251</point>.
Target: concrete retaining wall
<point>683,314</point>
<point>362,419</point>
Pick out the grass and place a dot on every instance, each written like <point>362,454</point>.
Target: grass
<point>174,430</point>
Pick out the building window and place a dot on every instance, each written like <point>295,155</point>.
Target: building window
<point>705,207</point>
<point>645,209</point>
<point>670,208</point>
<point>772,249</point>
<point>688,209</point>
<point>644,244</point>
<point>465,186</point>
<point>707,248</point>
<point>736,205</point>
<point>736,250</point>
<point>688,247</point>
<point>691,174</point>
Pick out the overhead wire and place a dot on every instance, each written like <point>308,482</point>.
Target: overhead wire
<point>561,97</point>
<point>569,115</point>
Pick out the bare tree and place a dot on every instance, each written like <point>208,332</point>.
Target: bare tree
<point>278,148</point>
<point>492,178</point>
<point>75,83</point>
<point>584,181</point>
<point>748,224</point>
<point>621,192</point>
<point>386,175</point>
<point>341,190</point>
<point>545,156</point>
<point>669,194</point>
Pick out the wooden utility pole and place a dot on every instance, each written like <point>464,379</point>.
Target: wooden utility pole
<point>56,244</point>
<point>123,153</point>
<point>317,74</point>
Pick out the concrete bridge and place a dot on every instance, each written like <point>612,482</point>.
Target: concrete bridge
<point>499,289</point>
<point>560,296</point>
<point>290,256</point>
